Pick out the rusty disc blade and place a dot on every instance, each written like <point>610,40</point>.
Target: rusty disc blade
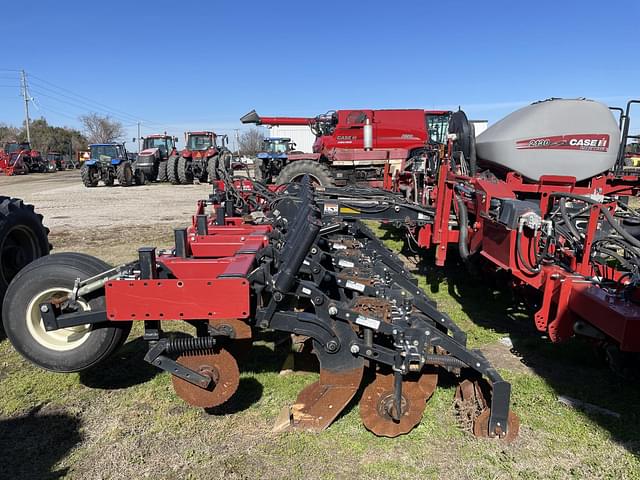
<point>240,336</point>
<point>377,399</point>
<point>481,426</point>
<point>221,367</point>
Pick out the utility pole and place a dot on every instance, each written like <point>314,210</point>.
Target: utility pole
<point>25,95</point>
<point>138,137</point>
<point>237,140</point>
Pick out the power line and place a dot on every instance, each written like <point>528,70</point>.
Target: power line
<point>86,99</point>
<point>80,106</point>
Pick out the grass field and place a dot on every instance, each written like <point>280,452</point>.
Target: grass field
<point>122,420</point>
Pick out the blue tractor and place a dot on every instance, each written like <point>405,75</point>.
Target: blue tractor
<point>108,162</point>
<point>272,158</point>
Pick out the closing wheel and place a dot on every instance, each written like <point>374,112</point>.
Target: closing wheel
<point>376,404</point>
<point>481,426</point>
<point>223,370</point>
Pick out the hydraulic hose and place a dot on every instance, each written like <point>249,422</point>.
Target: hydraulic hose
<point>607,215</point>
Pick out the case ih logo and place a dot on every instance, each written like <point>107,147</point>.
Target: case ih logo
<point>595,142</point>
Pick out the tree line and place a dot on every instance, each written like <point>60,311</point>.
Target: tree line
<point>50,138</point>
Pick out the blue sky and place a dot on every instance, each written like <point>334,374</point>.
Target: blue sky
<point>203,64</point>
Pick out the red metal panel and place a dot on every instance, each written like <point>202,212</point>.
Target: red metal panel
<point>189,299</point>
<point>218,246</point>
<point>612,314</point>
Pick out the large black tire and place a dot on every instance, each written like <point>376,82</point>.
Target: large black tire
<point>88,174</point>
<point>109,180</point>
<point>139,177</point>
<point>23,238</point>
<point>212,169</point>
<point>172,170</point>
<point>65,350</point>
<point>258,176</point>
<point>124,173</point>
<point>185,175</point>
<point>294,171</point>
<point>162,171</point>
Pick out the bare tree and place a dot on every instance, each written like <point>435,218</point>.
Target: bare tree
<point>8,133</point>
<point>102,129</point>
<point>250,142</point>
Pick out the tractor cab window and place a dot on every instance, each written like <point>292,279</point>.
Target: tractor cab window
<point>199,142</point>
<point>105,152</point>
<point>11,147</point>
<point>438,127</point>
<point>160,143</point>
<point>277,146</point>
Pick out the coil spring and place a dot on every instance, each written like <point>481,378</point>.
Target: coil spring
<point>189,344</point>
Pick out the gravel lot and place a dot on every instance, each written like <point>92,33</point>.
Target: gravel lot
<point>67,204</point>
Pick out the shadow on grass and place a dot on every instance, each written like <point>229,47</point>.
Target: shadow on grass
<point>248,393</point>
<point>575,368</point>
<point>124,369</point>
<point>31,445</point>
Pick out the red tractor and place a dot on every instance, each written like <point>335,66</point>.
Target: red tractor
<point>360,145</point>
<point>154,157</point>
<point>201,158</point>
<point>19,159</point>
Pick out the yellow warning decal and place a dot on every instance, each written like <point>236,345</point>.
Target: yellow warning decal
<point>348,210</point>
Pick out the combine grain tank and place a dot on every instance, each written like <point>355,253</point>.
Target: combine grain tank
<point>578,138</point>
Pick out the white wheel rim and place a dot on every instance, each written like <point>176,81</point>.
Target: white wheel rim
<point>60,340</point>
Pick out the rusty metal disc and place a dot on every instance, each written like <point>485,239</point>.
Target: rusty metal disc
<point>221,367</point>
<point>239,333</point>
<point>481,426</point>
<point>377,400</point>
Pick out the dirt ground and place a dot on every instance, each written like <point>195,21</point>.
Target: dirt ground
<point>122,420</point>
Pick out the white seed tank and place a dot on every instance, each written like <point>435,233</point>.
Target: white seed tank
<point>578,138</point>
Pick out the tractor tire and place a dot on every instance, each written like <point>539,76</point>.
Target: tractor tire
<point>258,176</point>
<point>23,239</point>
<point>109,180</point>
<point>294,171</point>
<point>212,169</point>
<point>65,350</point>
<point>172,170</point>
<point>184,174</point>
<point>162,171</point>
<point>124,173</point>
<point>139,177</point>
<point>88,176</point>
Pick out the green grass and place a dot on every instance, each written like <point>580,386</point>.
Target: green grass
<point>124,421</point>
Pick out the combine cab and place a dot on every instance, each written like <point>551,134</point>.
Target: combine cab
<point>200,159</point>
<point>361,145</point>
<point>156,152</point>
<point>108,162</point>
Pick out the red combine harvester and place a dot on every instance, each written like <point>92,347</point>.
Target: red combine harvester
<point>200,159</point>
<point>361,145</point>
